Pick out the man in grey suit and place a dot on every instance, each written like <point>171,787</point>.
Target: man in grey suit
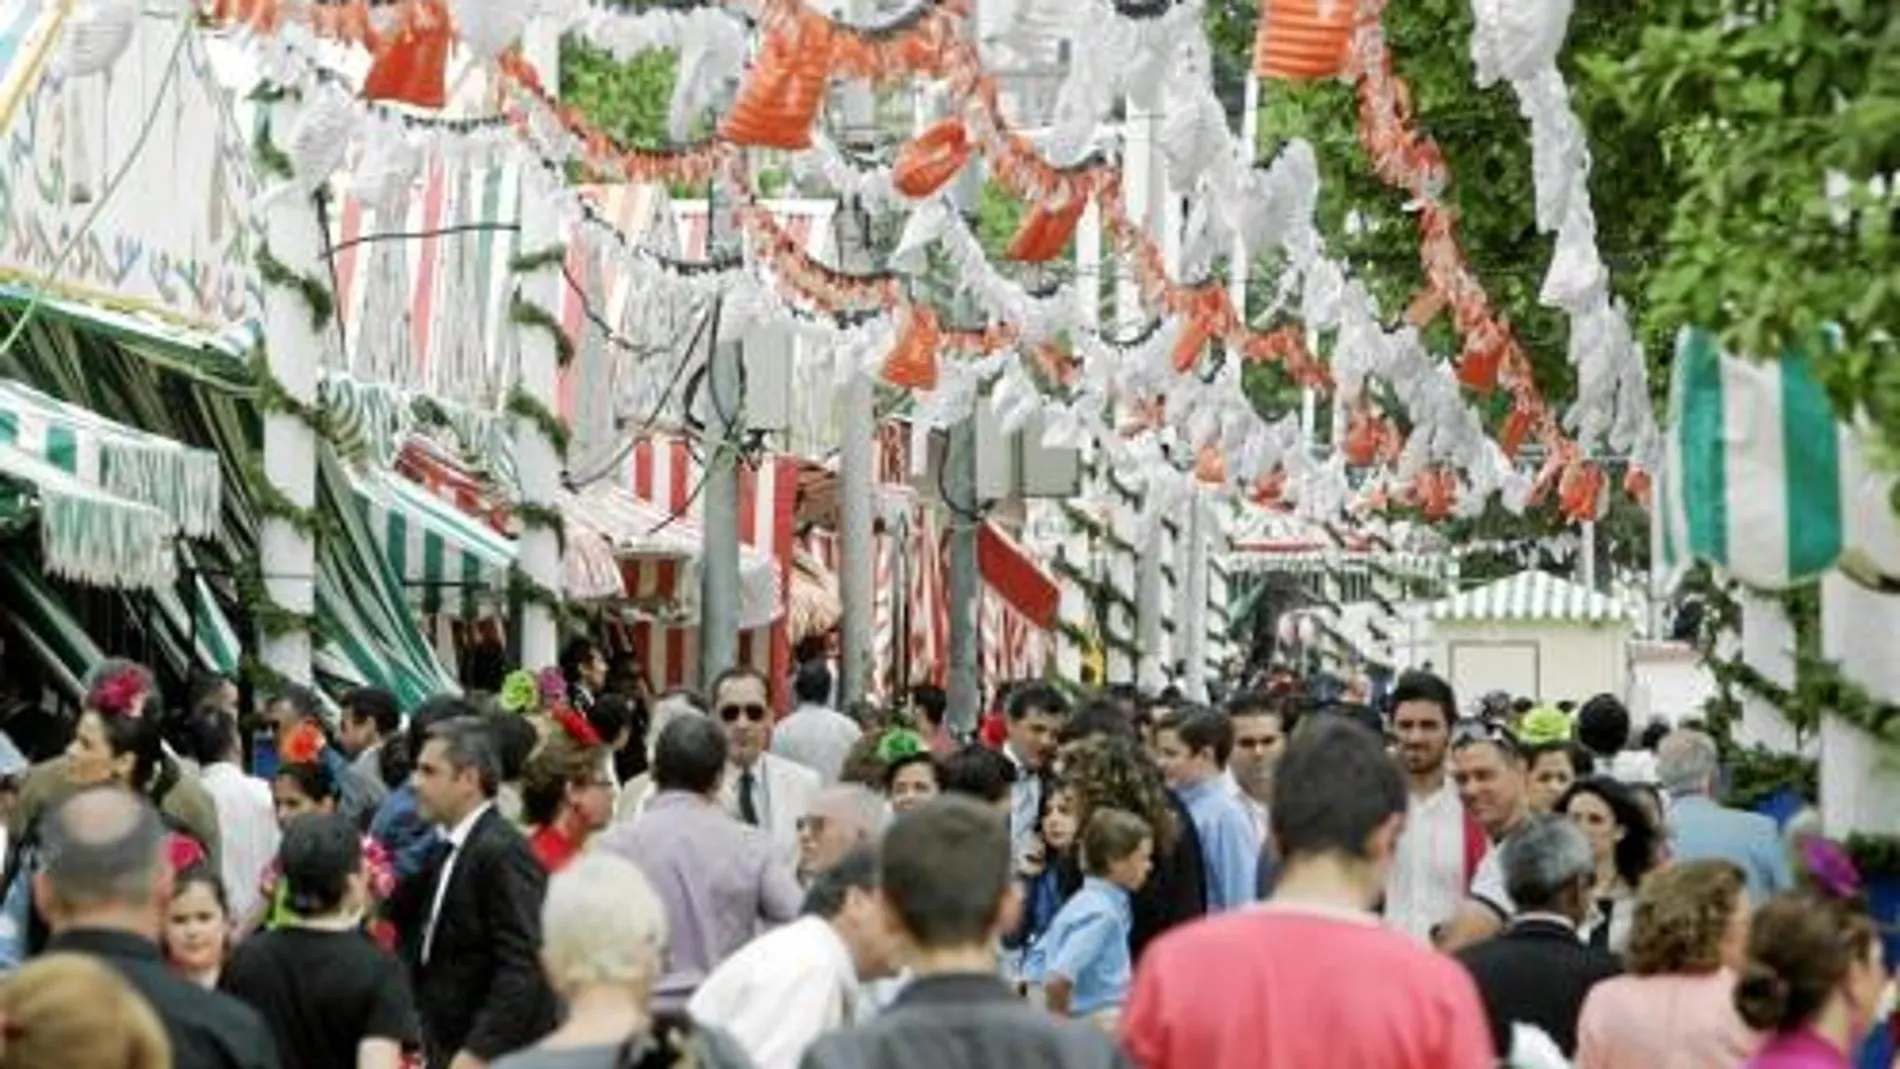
<point>1699,827</point>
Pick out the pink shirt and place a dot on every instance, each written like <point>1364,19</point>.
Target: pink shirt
<point>1798,1050</point>
<point>1664,1022</point>
<point>1297,988</point>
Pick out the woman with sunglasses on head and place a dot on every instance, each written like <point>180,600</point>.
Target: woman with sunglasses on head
<point>1815,980</point>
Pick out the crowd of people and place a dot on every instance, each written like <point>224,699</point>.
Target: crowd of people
<point>571,874</point>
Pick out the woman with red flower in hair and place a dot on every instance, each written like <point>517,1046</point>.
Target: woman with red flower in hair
<point>567,792</point>
<point>116,742</point>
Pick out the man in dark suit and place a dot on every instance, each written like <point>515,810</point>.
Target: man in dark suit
<point>949,887</point>
<point>104,886</point>
<point>1537,971</point>
<point>471,919</point>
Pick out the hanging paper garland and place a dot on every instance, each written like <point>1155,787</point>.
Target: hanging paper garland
<point>1046,230</point>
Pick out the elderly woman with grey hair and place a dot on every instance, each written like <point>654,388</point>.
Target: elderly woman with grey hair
<point>603,947</point>
<point>638,791</point>
<point>1537,971</point>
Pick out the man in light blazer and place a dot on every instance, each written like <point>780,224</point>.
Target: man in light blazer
<point>1699,827</point>
<point>769,792</point>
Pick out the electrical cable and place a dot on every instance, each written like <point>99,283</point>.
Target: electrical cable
<point>160,93</point>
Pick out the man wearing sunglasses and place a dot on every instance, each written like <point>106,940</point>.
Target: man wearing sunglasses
<point>762,789</point>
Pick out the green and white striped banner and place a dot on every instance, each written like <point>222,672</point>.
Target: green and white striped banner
<point>1753,472</point>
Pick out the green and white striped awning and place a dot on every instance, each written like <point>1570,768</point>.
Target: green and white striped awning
<point>88,535</point>
<point>445,559</point>
<point>179,481</point>
<point>1531,597</point>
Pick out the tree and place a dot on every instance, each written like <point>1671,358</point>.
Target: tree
<point>627,101</point>
<point>1784,124</point>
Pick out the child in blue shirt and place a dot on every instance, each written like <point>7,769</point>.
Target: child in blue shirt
<point>1083,957</point>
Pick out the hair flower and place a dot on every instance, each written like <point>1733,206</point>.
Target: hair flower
<point>120,694</point>
<point>576,726</point>
<point>519,692</point>
<point>899,743</point>
<point>551,686</point>
<point>303,745</point>
<point>1829,867</point>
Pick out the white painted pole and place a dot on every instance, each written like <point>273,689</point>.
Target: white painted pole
<point>1860,775</point>
<point>537,463</point>
<point>293,353</point>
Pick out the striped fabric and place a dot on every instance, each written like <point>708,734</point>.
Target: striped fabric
<point>1753,470</point>
<point>663,470</point>
<point>446,560</point>
<point>657,552</point>
<point>1537,597</point>
<point>182,482</point>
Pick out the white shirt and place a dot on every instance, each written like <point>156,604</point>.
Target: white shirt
<point>782,991</point>
<point>817,737</point>
<point>456,837</point>
<point>1428,868</point>
<point>1256,810</point>
<point>1487,884</point>
<point>1025,805</point>
<point>248,835</point>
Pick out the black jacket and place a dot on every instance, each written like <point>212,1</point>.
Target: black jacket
<point>207,1030</point>
<point>964,1021</point>
<point>482,989</point>
<point>1536,972</point>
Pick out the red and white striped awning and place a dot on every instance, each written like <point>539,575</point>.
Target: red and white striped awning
<point>659,551</point>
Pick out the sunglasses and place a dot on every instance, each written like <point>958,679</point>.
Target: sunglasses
<point>1468,732</point>
<point>731,713</point>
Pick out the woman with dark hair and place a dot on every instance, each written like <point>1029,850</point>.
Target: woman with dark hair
<point>117,741</point>
<point>1554,766</point>
<point>1623,842</point>
<point>584,666</point>
<point>329,995</point>
<point>911,774</point>
<point>1815,977</point>
<point>1112,772</point>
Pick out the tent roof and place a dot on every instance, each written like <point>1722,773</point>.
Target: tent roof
<point>1531,597</point>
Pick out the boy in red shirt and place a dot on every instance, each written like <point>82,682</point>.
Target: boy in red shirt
<point>1311,978</point>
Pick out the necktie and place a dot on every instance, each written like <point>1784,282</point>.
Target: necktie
<point>748,804</point>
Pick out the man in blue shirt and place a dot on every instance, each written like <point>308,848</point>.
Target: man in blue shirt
<point>1192,747</point>
<point>1699,827</point>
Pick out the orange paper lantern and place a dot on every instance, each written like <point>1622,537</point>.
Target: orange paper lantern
<point>1303,39</point>
<point>779,101</point>
<point>1210,465</point>
<point>912,362</point>
<point>411,67</point>
<point>930,160</point>
<point>1189,346</point>
<point>1046,230</point>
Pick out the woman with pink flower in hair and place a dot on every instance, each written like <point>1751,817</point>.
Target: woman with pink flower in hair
<point>567,790</point>
<point>116,742</point>
<point>1815,981</point>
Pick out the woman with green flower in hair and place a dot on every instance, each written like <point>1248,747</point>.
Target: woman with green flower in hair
<point>910,769</point>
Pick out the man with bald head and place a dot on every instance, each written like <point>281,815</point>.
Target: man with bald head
<point>103,887</point>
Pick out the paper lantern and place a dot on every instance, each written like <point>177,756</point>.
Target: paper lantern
<point>930,160</point>
<point>1303,39</point>
<point>779,101</point>
<point>912,361</point>
<point>411,67</point>
<point>1047,229</point>
<point>1188,347</point>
